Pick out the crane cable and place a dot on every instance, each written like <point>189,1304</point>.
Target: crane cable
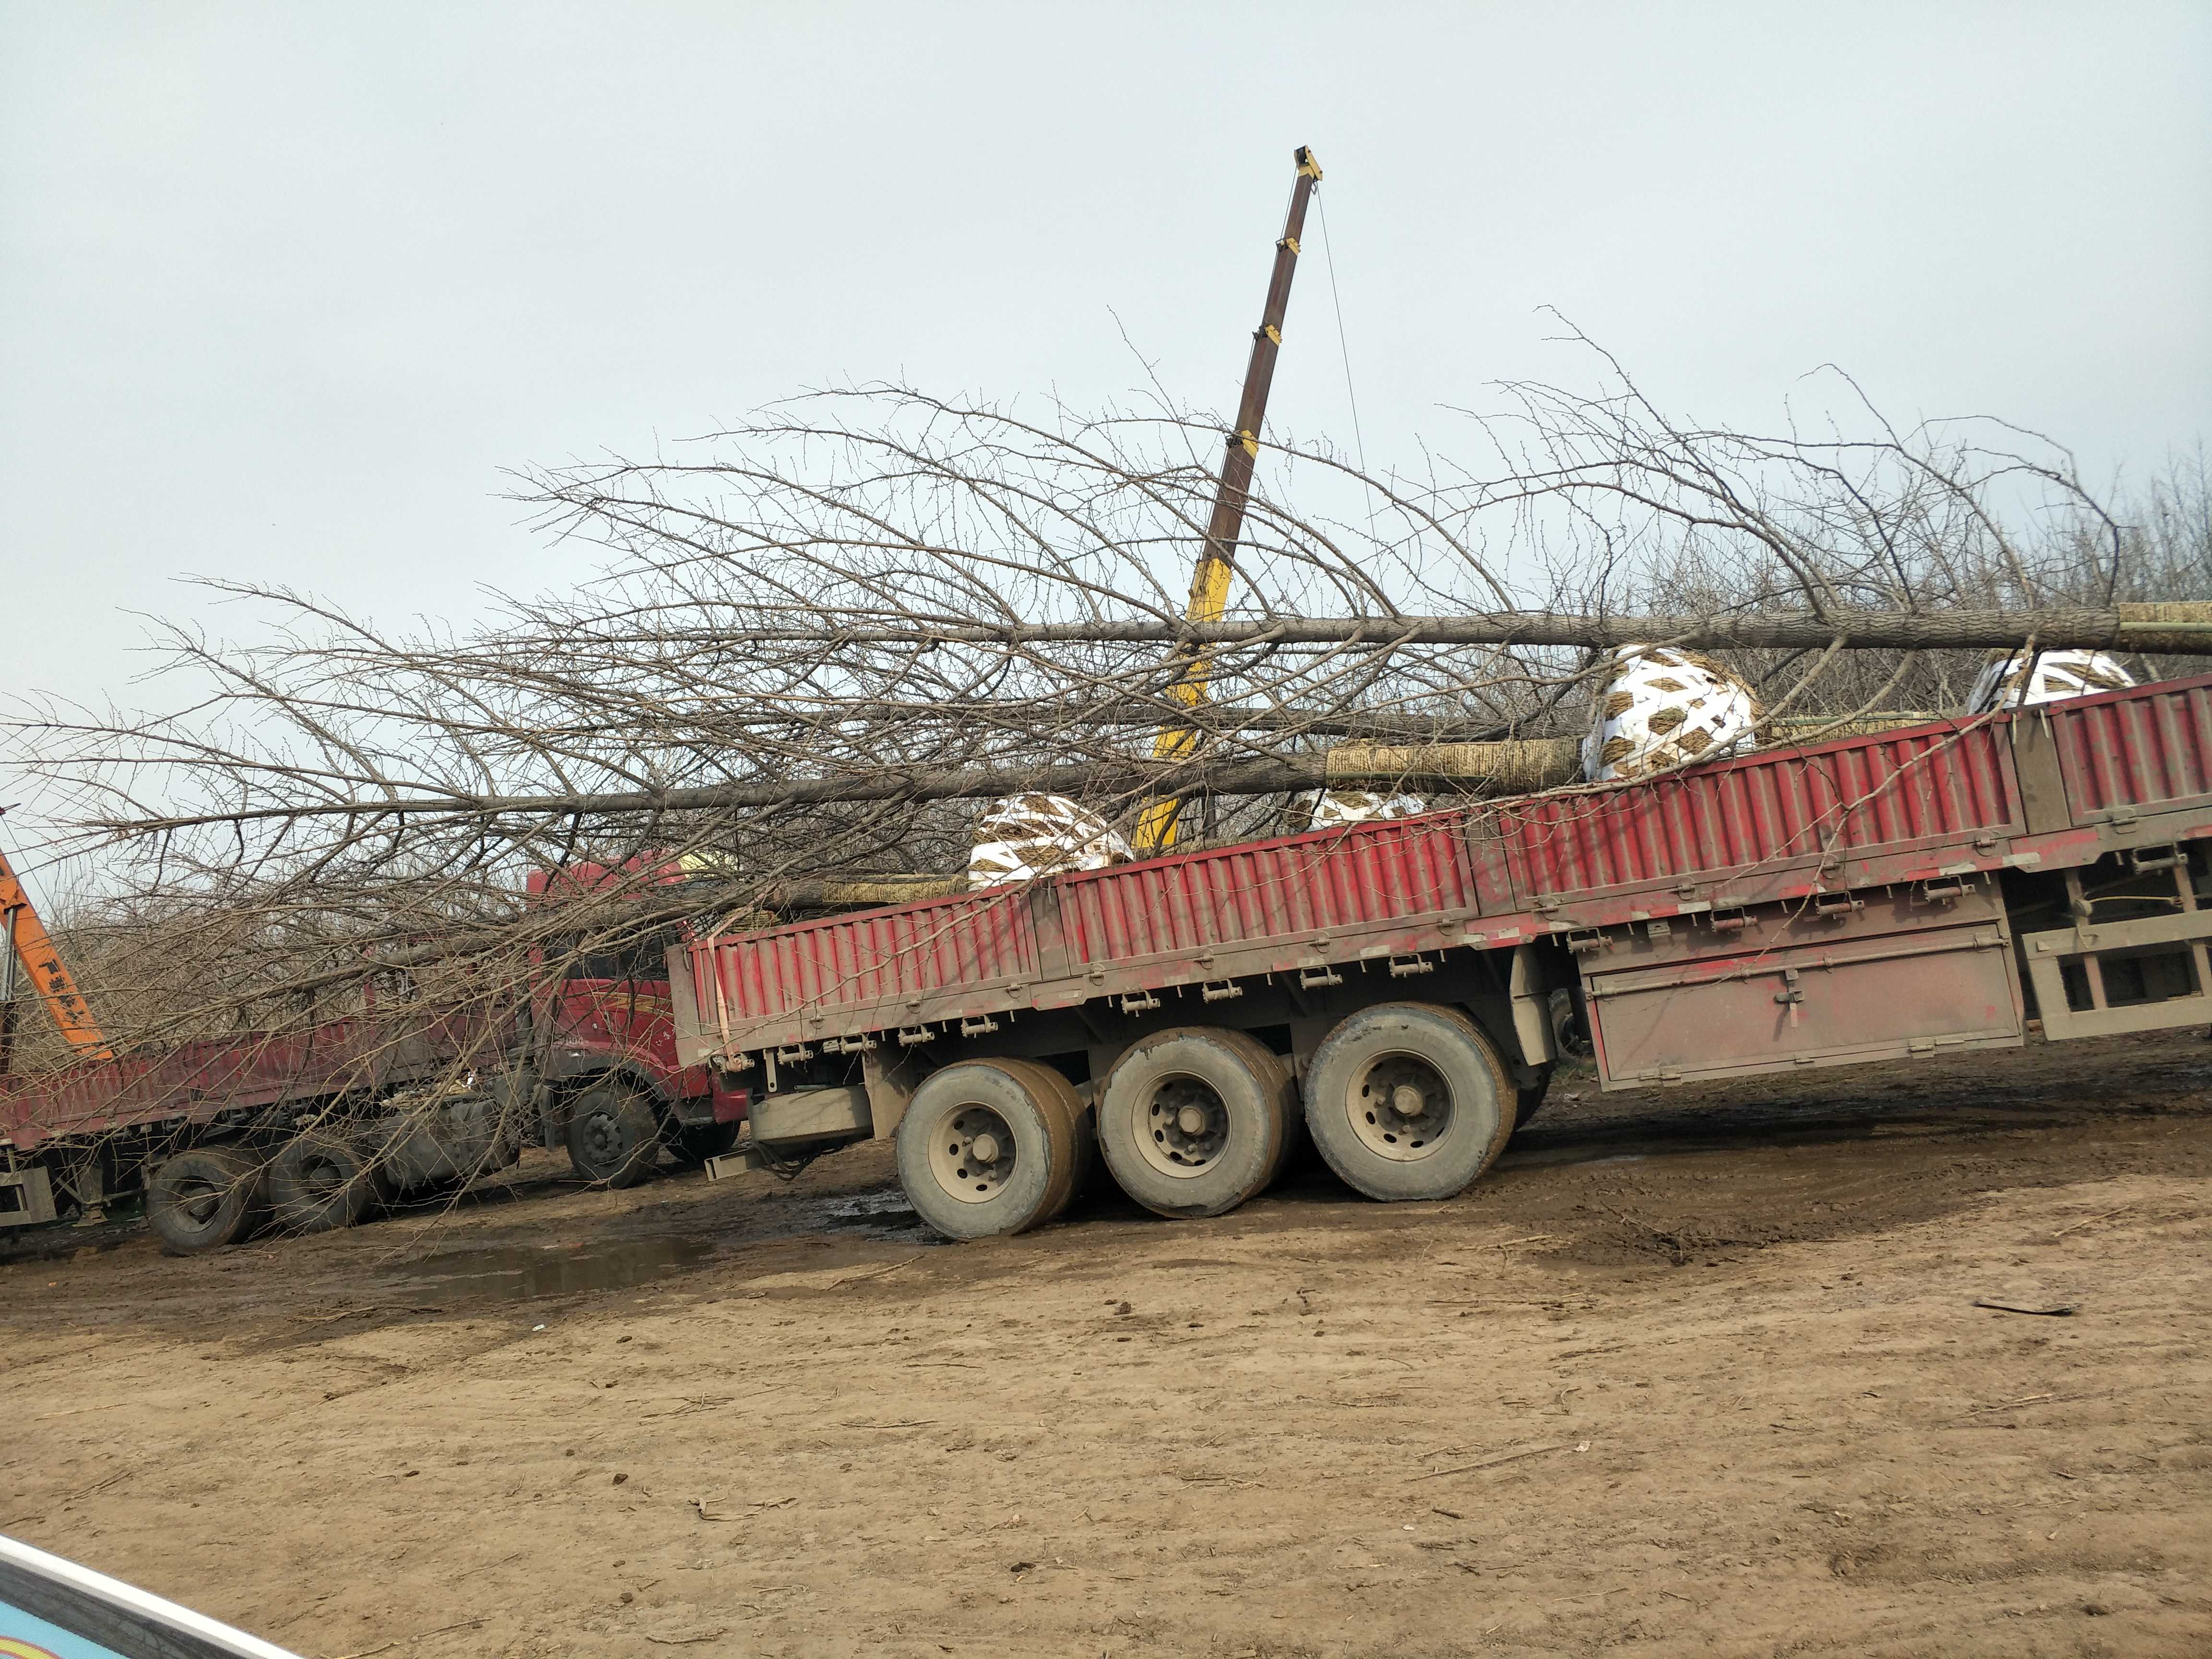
<point>1344,351</point>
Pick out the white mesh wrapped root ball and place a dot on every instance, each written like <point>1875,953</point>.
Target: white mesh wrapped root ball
<point>2014,682</point>
<point>1662,707</point>
<point>1024,837</point>
<point>1331,809</point>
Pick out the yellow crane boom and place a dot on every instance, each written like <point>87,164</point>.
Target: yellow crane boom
<point>1216,557</point>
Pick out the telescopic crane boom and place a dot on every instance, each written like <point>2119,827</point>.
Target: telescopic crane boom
<point>1216,557</point>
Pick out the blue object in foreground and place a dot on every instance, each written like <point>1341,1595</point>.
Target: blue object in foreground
<point>50,1608</point>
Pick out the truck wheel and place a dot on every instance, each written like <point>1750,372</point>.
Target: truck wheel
<point>693,1144</point>
<point>613,1137</point>
<point>1409,1099</point>
<point>1268,1063</point>
<point>204,1199</point>
<point>1056,1087</point>
<point>319,1181</point>
<point>1193,1121</point>
<point>985,1147</point>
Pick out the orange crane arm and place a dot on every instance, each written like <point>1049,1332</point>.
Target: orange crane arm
<point>23,936</point>
<point>1209,583</point>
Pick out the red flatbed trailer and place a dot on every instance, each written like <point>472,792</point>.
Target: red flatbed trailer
<point>1874,898</point>
<point>589,1063</point>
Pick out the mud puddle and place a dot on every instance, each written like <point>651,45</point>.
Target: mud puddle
<point>884,1213</point>
<point>526,1273</point>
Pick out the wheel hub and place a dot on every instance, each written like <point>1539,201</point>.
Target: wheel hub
<point>974,1153</point>
<point>1185,1128</point>
<point>1402,1107</point>
<point>199,1201</point>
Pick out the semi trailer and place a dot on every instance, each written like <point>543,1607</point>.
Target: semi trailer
<point>314,1128</point>
<point>1389,988</point>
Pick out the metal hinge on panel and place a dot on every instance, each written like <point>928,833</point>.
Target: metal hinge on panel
<point>1406,967</point>
<point>2154,858</point>
<point>1585,943</point>
<point>1662,1074</point>
<point>1731,921</point>
<point>1222,992</point>
<point>853,1045</point>
<point>1143,1003</point>
<point>793,1056</point>
<point>982,1027</point>
<point>1941,892</point>
<point>2121,818</point>
<point>1835,907</point>
<point>911,1037</point>
<point>1313,979</point>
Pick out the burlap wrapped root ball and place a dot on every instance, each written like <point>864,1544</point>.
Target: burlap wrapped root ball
<point>1332,809</point>
<point>2013,681</point>
<point>1662,707</point>
<point>1021,838</point>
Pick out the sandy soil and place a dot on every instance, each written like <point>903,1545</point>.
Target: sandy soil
<point>1689,1373</point>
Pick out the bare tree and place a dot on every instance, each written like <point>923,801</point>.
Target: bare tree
<point>820,636</point>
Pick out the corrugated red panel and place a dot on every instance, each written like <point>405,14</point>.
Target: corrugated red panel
<point>1924,784</point>
<point>1929,786</point>
<point>2125,749</point>
<point>199,1079</point>
<point>879,955</point>
<point>1327,881</point>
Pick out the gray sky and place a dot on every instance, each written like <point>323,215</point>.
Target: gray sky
<point>282,288</point>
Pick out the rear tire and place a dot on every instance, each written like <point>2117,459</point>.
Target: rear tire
<point>204,1199</point>
<point>1268,1063</point>
<point>987,1147</point>
<point>1193,1120</point>
<point>1054,1086</point>
<point>320,1180</point>
<point>613,1136</point>
<point>1408,1101</point>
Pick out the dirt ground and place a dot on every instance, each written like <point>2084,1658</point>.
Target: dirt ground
<point>1693,1372</point>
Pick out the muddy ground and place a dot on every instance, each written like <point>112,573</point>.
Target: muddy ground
<point>1693,1372</point>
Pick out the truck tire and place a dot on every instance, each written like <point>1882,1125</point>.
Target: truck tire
<point>320,1180</point>
<point>1294,1116</point>
<point>1409,1099</point>
<point>1193,1120</point>
<point>204,1199</point>
<point>693,1144</point>
<point>1055,1087</point>
<point>613,1136</point>
<point>987,1147</point>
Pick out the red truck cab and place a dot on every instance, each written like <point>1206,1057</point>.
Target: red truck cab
<point>603,1043</point>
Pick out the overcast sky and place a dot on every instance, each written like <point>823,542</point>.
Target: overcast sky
<point>284,287</point>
